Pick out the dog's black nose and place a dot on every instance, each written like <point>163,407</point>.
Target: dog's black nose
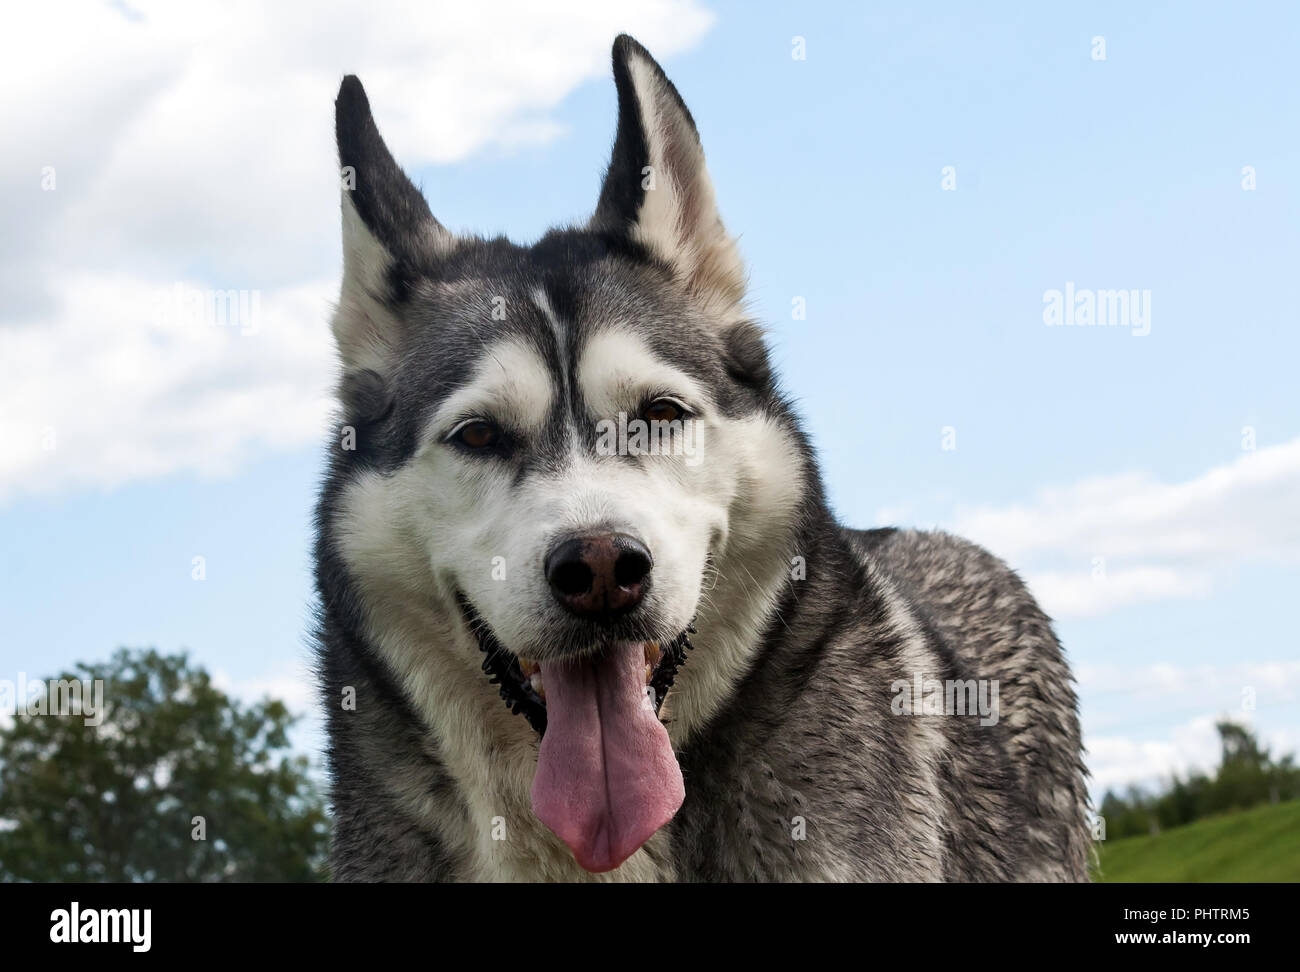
<point>599,575</point>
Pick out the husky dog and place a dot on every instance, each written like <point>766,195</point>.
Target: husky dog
<point>565,477</point>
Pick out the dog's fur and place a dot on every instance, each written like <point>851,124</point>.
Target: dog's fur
<point>796,763</point>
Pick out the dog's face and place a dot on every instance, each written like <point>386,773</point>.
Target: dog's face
<point>556,443</point>
<point>534,498</point>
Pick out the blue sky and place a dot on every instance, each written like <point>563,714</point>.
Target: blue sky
<point>924,308</point>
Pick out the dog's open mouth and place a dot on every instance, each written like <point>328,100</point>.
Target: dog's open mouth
<point>607,777</point>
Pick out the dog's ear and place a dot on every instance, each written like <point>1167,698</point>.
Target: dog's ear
<point>657,189</point>
<point>388,235</point>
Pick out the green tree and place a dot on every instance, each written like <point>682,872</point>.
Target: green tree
<point>1247,776</point>
<point>121,801</point>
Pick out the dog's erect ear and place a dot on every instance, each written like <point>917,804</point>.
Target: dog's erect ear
<point>657,189</point>
<point>388,235</point>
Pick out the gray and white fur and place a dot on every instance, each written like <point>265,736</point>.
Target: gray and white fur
<point>796,763</point>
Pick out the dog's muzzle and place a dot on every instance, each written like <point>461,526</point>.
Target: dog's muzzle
<point>520,682</point>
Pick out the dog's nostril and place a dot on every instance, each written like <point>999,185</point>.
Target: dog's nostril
<point>572,577</point>
<point>599,575</point>
<point>631,568</point>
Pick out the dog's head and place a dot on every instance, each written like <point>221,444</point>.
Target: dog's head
<point>560,443</point>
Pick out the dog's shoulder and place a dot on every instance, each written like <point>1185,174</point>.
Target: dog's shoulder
<point>930,559</point>
<point>971,596</point>
<point>983,616</point>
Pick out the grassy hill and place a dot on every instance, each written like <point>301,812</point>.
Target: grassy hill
<point>1261,844</point>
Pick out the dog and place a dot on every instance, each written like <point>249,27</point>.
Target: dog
<point>584,613</point>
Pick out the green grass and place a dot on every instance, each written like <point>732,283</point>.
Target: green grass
<point>1261,844</point>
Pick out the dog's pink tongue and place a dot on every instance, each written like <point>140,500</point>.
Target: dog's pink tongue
<point>606,775</point>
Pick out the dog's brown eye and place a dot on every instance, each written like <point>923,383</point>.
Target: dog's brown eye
<point>662,411</point>
<point>477,435</point>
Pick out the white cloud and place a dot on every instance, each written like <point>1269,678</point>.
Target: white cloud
<point>1121,703</point>
<point>289,682</point>
<point>1117,762</point>
<point>194,142</point>
<point>104,395</point>
<point>1079,593</point>
<point>1272,682</point>
<point>1110,541</point>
